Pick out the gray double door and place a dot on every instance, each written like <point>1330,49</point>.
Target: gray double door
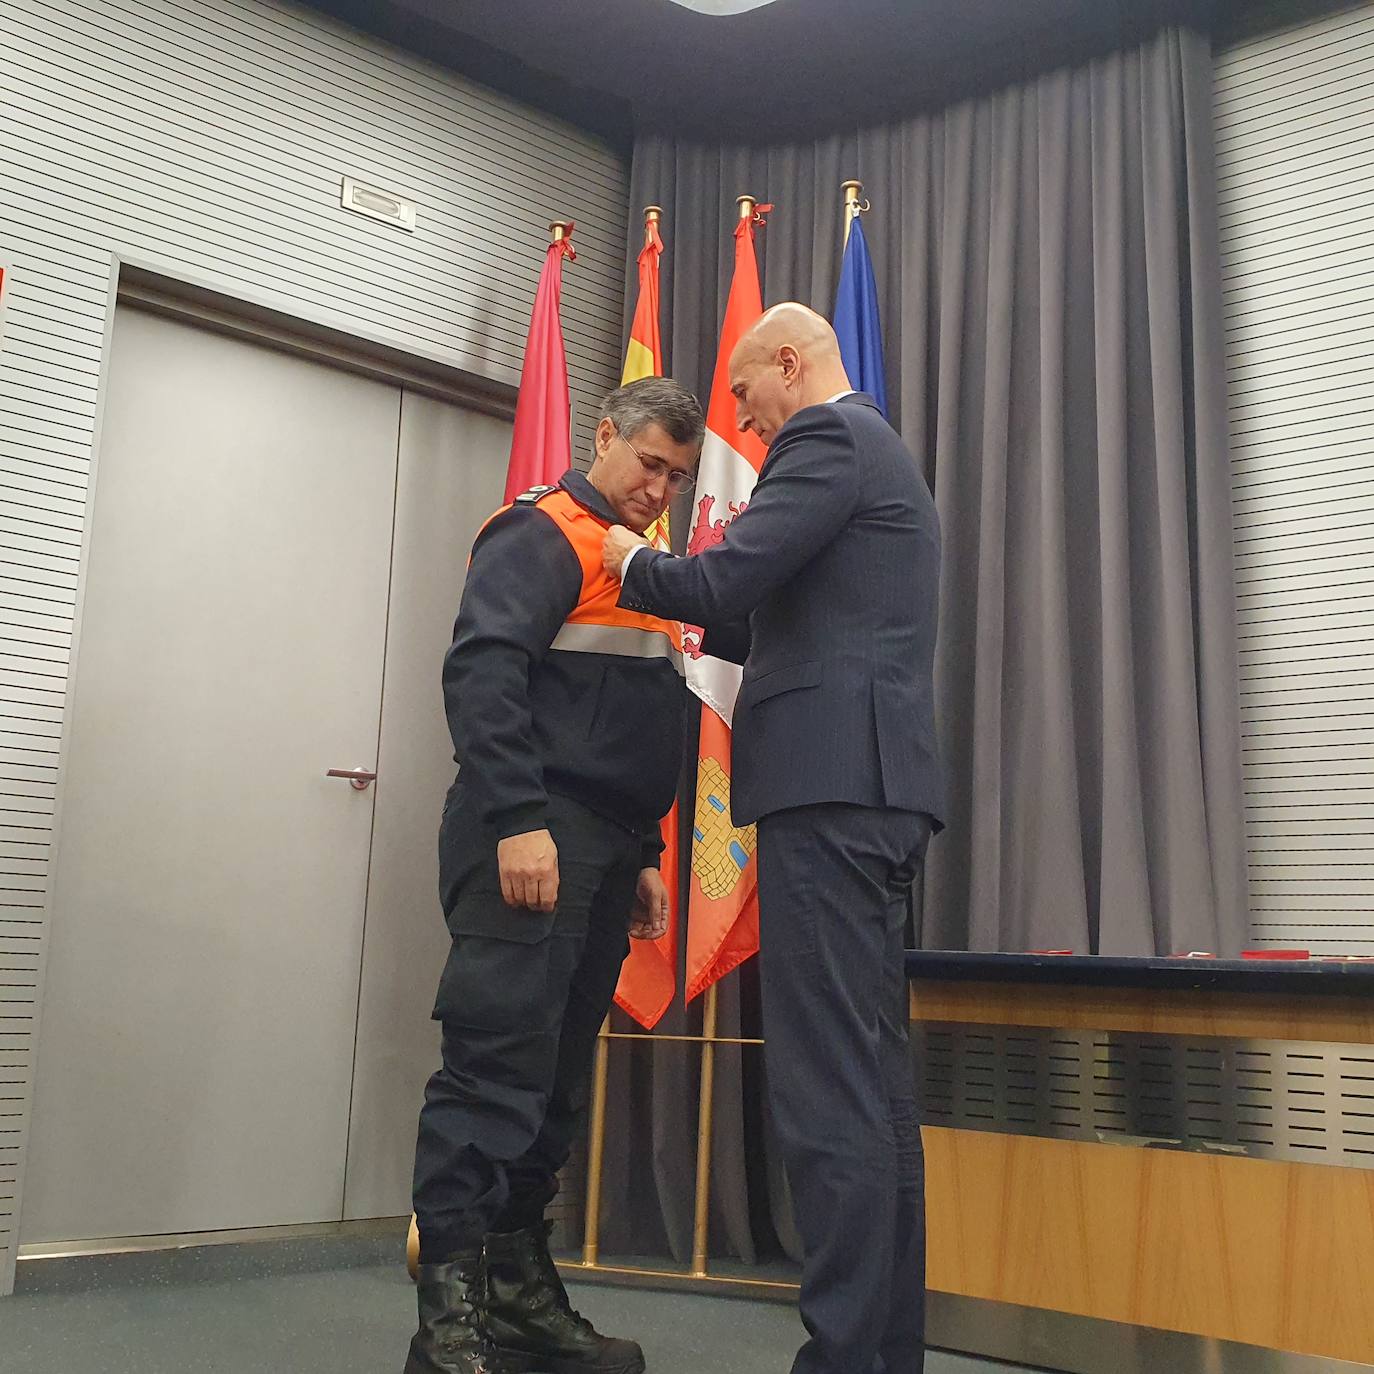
<point>235,1025</point>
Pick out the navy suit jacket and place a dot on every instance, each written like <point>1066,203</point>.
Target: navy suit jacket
<point>826,589</point>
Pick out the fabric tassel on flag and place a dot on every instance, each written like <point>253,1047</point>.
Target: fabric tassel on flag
<point>541,444</point>
<point>648,977</point>
<point>723,912</point>
<point>856,318</point>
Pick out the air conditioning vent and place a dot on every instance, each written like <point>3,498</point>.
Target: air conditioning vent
<point>386,206</point>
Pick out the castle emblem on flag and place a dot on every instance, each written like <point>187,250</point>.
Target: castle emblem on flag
<point>721,852</point>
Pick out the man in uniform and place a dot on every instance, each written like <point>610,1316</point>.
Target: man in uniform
<point>567,719</point>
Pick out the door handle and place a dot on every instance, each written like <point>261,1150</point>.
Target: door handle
<point>360,778</point>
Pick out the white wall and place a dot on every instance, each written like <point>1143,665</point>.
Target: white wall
<point>1295,143</point>
<point>207,139</point>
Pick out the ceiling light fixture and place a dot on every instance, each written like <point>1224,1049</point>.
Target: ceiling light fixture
<point>722,7</point>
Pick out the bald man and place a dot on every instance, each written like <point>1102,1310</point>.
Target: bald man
<point>825,589</point>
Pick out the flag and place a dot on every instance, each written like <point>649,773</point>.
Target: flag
<point>723,910</point>
<point>856,318</point>
<point>644,356</point>
<point>648,977</point>
<point>541,445</point>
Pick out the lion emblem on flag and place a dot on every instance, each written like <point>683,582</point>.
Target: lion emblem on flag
<point>706,534</point>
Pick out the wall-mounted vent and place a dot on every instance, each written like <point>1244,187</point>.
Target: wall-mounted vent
<point>386,206</point>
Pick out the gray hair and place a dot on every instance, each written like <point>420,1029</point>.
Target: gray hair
<point>656,401</point>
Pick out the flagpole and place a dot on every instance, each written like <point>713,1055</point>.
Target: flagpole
<point>705,1120</point>
<point>748,206</point>
<point>560,231</point>
<point>853,206</point>
<point>706,1099</point>
<point>596,1140</point>
<point>596,1147</point>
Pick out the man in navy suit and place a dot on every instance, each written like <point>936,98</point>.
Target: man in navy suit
<point>825,588</point>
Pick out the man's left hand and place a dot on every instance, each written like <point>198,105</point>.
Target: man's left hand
<point>617,546</point>
<point>649,915</point>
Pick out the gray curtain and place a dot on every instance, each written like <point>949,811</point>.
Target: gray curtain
<point>1048,267</point>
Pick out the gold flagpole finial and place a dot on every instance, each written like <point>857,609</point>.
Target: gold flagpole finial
<point>746,206</point>
<point>653,217</point>
<point>853,205</point>
<point>559,230</point>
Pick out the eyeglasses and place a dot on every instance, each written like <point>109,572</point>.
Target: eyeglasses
<point>654,468</point>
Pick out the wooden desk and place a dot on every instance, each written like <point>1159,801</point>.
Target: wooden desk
<point>1201,1237</point>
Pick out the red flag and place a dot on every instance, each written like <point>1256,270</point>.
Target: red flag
<point>541,446</point>
<point>648,978</point>
<point>723,915</point>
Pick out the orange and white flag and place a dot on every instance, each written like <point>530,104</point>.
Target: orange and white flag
<point>648,977</point>
<point>723,912</point>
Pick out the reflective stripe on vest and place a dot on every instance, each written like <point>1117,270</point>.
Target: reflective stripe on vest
<point>597,625</point>
<point>628,640</point>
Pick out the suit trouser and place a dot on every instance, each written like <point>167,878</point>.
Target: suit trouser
<point>833,881</point>
<point>522,997</point>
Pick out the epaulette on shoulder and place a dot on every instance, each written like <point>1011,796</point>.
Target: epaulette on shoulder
<point>533,496</point>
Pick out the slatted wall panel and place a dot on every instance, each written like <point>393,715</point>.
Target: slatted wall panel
<point>207,138</point>
<point>1295,142</point>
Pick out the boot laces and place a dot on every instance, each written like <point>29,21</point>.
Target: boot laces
<point>552,1283</point>
<point>457,1341</point>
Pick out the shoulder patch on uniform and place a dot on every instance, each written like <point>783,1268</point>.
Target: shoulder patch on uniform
<point>533,496</point>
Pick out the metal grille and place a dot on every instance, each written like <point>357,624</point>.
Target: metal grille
<point>1274,1099</point>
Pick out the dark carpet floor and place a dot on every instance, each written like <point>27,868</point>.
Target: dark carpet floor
<point>312,1307</point>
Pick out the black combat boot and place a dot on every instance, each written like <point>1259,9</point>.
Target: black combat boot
<point>531,1321</point>
<point>453,1337</point>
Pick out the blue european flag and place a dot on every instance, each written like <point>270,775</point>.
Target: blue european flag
<point>856,318</point>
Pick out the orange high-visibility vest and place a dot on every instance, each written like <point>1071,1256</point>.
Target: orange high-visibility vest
<point>597,625</point>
